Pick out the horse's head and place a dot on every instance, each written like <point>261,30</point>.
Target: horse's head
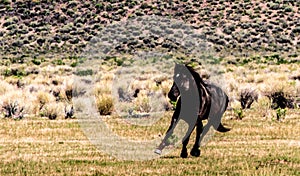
<point>182,80</point>
<point>174,92</point>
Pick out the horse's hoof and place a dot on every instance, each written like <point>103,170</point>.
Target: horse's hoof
<point>195,152</point>
<point>222,129</point>
<point>184,154</point>
<point>157,151</point>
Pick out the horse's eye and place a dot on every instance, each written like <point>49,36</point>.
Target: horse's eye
<point>177,75</point>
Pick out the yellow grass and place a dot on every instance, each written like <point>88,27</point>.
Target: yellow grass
<point>257,145</point>
<point>254,146</point>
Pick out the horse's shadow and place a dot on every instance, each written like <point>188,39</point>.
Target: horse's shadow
<point>170,157</point>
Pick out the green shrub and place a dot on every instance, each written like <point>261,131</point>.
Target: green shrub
<point>70,12</point>
<point>119,61</point>
<point>280,114</point>
<point>84,72</point>
<point>7,72</point>
<point>172,140</point>
<point>239,113</point>
<point>36,61</point>
<point>99,6</point>
<point>288,9</point>
<point>5,2</point>
<point>8,23</point>
<point>12,27</point>
<point>296,30</point>
<point>58,62</point>
<point>18,72</point>
<point>72,4</point>
<point>174,104</point>
<point>275,58</point>
<point>74,64</point>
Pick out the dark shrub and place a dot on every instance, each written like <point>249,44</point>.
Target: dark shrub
<point>247,97</point>
<point>13,110</point>
<point>279,100</point>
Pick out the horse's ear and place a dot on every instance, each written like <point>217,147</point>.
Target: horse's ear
<point>176,64</point>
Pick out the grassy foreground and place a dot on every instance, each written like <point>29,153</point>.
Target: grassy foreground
<point>258,144</point>
<point>254,146</point>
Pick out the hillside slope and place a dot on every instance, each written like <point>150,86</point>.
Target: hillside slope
<point>35,27</point>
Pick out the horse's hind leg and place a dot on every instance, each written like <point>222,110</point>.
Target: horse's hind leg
<point>195,150</point>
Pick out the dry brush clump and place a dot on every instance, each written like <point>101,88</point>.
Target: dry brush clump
<point>34,95</point>
<point>142,102</point>
<point>56,110</point>
<point>280,100</point>
<point>13,110</point>
<point>128,91</point>
<point>280,91</point>
<point>247,97</point>
<point>104,104</point>
<point>39,91</point>
<point>13,105</point>
<point>103,95</point>
<point>51,105</point>
<point>69,111</point>
<point>43,98</point>
<point>265,87</point>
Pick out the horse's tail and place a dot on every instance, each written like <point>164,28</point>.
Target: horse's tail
<point>227,102</point>
<point>221,128</point>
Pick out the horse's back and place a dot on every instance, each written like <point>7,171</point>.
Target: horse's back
<point>218,97</point>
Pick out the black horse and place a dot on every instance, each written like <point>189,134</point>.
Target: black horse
<point>198,101</point>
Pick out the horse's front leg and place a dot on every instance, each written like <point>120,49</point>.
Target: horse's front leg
<point>170,130</point>
<point>195,150</point>
<point>185,142</point>
<point>186,139</point>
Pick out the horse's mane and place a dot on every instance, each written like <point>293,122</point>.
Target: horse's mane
<point>196,75</point>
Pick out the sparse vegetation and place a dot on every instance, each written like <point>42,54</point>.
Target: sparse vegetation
<point>256,45</point>
<point>67,29</point>
<point>247,97</point>
<point>13,110</point>
<point>280,101</point>
<point>104,104</point>
<point>280,113</point>
<point>43,98</point>
<point>275,152</point>
<point>50,111</point>
<point>239,113</point>
<point>69,112</point>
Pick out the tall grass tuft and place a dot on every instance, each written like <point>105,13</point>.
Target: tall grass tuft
<point>51,111</point>
<point>104,104</point>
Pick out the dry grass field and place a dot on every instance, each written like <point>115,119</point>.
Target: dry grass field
<point>254,146</point>
<point>250,48</point>
<point>258,143</point>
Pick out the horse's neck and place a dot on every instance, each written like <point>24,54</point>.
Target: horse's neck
<point>191,92</point>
